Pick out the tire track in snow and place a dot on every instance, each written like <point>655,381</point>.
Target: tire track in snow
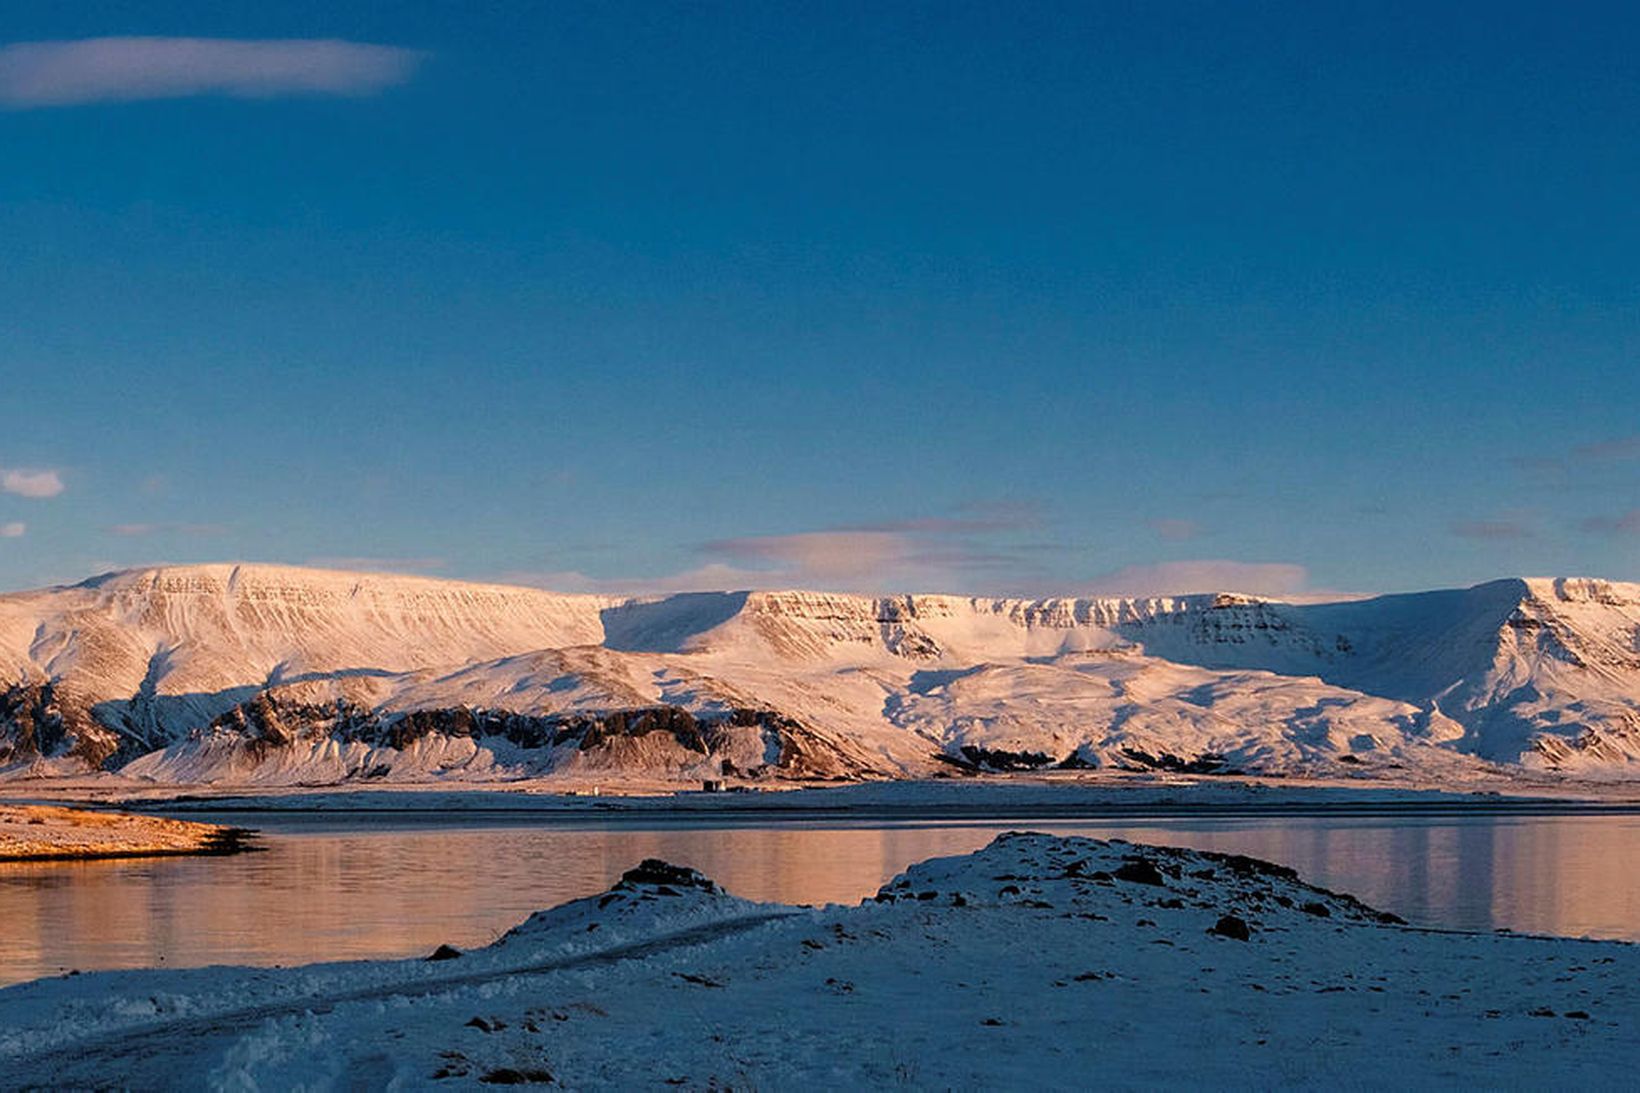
<point>147,1056</point>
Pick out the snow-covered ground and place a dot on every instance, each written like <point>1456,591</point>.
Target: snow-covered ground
<point>1040,961</point>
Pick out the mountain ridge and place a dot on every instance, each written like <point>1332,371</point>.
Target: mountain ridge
<point>245,672</point>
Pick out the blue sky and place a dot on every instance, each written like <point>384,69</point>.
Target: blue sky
<point>1289,297</point>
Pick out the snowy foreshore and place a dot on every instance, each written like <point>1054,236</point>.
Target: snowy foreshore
<point>1046,961</point>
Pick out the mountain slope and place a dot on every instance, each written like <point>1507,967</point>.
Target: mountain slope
<point>265,673</point>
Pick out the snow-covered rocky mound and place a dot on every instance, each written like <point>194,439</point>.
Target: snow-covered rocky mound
<point>266,674</point>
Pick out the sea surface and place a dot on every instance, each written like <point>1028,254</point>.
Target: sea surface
<point>375,886</point>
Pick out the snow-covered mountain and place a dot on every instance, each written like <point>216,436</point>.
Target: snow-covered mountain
<point>258,673</point>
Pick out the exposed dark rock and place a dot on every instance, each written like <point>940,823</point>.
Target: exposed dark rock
<point>38,721</point>
<point>446,952</point>
<point>1206,763</point>
<point>510,1076</point>
<point>657,872</point>
<point>1140,871</point>
<point>1320,910</point>
<point>1002,759</point>
<point>1231,926</point>
<point>269,721</point>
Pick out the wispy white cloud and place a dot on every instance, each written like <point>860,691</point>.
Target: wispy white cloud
<point>1492,530</point>
<point>825,556</point>
<point>842,571</point>
<point>14,530</point>
<point>67,73</point>
<point>1622,447</point>
<point>135,530</point>
<point>974,517</point>
<point>1627,523</point>
<point>922,558</point>
<point>1175,530</point>
<point>379,565</point>
<point>1274,579</point>
<point>30,483</point>
<point>714,577</point>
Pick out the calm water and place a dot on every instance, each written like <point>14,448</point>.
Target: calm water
<point>339,889</point>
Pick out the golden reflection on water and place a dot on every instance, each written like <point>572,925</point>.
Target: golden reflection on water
<point>366,894</point>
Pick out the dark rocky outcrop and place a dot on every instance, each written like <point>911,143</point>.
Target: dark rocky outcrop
<point>655,871</point>
<point>1002,759</point>
<point>39,721</point>
<point>1206,763</point>
<point>788,748</point>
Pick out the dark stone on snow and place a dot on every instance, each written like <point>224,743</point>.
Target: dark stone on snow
<point>1232,927</point>
<point>1319,910</point>
<point>445,952</point>
<point>1140,871</point>
<point>510,1076</point>
<point>655,871</point>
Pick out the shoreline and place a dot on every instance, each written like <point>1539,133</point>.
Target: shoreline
<point>893,802</point>
<point>985,969</point>
<point>51,833</point>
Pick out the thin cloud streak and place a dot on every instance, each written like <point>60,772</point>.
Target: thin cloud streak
<point>1274,579</point>
<point>825,556</point>
<point>1627,523</point>
<point>1491,530</point>
<point>14,530</point>
<point>379,565</point>
<point>1624,447</point>
<point>70,73</point>
<point>1175,530</point>
<point>30,483</point>
<point>714,577</point>
<point>136,530</point>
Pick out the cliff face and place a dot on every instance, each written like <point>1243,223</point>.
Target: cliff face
<point>242,672</point>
